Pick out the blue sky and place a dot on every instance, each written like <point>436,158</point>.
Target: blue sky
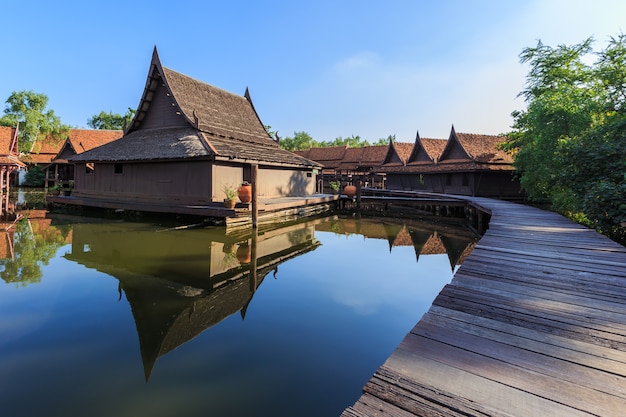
<point>329,68</point>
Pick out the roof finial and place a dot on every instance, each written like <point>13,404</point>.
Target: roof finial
<point>196,121</point>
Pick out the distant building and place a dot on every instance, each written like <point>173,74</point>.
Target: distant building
<point>9,162</point>
<point>58,169</point>
<point>465,164</point>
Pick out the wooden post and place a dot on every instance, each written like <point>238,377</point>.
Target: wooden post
<point>253,262</point>
<point>358,193</point>
<point>255,206</point>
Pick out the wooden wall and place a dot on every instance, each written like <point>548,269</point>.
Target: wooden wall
<point>172,181</point>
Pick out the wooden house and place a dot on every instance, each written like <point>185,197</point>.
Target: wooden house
<point>345,164</point>
<point>465,164</point>
<point>411,173</point>
<point>58,169</point>
<point>9,162</point>
<point>187,141</point>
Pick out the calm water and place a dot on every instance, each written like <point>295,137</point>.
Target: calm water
<point>129,319</point>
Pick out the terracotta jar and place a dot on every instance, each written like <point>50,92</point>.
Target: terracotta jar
<point>244,253</point>
<point>245,193</point>
<point>350,191</point>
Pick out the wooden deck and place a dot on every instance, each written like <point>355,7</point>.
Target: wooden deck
<point>532,324</point>
<point>270,209</point>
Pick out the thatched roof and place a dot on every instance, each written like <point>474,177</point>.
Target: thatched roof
<point>180,117</point>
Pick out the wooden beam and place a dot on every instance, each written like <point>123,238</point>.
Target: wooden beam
<point>255,205</point>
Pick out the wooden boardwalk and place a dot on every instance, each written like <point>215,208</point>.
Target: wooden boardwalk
<point>532,324</point>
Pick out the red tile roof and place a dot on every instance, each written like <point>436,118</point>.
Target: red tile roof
<point>8,147</point>
<point>83,140</point>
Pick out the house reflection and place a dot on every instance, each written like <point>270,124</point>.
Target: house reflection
<point>181,282</point>
<point>427,238</point>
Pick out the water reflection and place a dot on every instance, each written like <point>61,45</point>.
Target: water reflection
<point>205,328</point>
<point>27,244</point>
<point>181,282</point>
<point>425,237</point>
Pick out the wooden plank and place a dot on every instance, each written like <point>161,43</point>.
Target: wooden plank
<point>514,379</point>
<point>589,354</point>
<point>499,346</point>
<point>451,384</point>
<point>533,323</point>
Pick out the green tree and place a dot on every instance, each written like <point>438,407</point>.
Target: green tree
<point>32,247</point>
<point>299,141</point>
<point>352,141</point>
<point>569,144</point>
<point>35,177</point>
<point>385,141</point>
<point>110,120</point>
<point>28,109</point>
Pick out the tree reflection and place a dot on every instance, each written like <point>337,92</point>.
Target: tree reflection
<point>29,244</point>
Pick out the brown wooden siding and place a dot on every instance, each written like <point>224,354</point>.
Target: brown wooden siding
<point>186,182</point>
<point>162,111</point>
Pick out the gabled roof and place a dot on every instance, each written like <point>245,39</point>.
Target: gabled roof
<point>8,147</point>
<point>398,153</point>
<point>82,140</point>
<point>330,157</point>
<point>43,151</point>
<point>426,150</point>
<point>474,151</point>
<point>181,117</point>
<point>484,148</point>
<point>373,156</point>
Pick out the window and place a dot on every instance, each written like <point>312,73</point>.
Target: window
<point>118,169</point>
<point>448,179</point>
<point>465,179</point>
<point>309,175</point>
<point>89,168</point>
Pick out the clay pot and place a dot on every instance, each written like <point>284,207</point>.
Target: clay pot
<point>244,253</point>
<point>350,191</point>
<point>245,193</point>
<point>229,203</point>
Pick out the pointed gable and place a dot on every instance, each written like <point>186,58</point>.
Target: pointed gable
<point>398,153</point>
<point>454,151</point>
<point>426,150</point>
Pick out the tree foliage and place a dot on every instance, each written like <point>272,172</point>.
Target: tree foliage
<point>28,109</point>
<point>35,177</point>
<point>303,141</point>
<point>32,247</point>
<point>569,144</point>
<point>111,121</point>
